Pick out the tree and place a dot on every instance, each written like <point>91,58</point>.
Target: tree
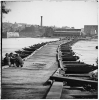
<point>4,9</point>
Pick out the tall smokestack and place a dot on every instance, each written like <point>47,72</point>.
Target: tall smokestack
<point>41,20</point>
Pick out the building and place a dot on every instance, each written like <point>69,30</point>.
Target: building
<point>90,30</point>
<point>69,33</point>
<point>12,34</point>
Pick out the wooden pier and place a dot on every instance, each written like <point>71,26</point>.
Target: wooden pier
<point>46,75</point>
<point>28,82</point>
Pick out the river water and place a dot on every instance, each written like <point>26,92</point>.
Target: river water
<point>12,44</point>
<point>84,49</point>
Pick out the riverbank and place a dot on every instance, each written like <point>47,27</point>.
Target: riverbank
<point>28,82</point>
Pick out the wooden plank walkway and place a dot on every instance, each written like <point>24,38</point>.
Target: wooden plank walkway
<point>55,91</point>
<point>27,82</point>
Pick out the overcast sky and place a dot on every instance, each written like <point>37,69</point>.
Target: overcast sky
<point>66,13</point>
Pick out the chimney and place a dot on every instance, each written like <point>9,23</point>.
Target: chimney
<point>41,20</point>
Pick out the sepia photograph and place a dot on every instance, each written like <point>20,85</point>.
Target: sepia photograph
<point>49,49</point>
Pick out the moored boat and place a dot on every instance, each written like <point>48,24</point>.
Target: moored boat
<point>66,50</point>
<point>72,62</point>
<point>19,51</point>
<point>23,55</point>
<point>70,58</point>
<point>72,53</point>
<point>29,49</point>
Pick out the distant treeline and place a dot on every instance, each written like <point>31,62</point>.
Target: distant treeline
<point>26,30</point>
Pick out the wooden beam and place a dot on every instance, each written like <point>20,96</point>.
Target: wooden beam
<point>71,79</point>
<point>73,88</point>
<point>79,94</point>
<point>55,91</point>
<point>90,95</point>
<point>78,75</point>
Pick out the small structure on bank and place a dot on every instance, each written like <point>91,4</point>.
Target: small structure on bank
<point>11,35</point>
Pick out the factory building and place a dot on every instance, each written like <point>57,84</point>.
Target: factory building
<point>90,30</point>
<point>74,33</point>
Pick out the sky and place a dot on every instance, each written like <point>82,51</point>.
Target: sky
<point>65,13</point>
